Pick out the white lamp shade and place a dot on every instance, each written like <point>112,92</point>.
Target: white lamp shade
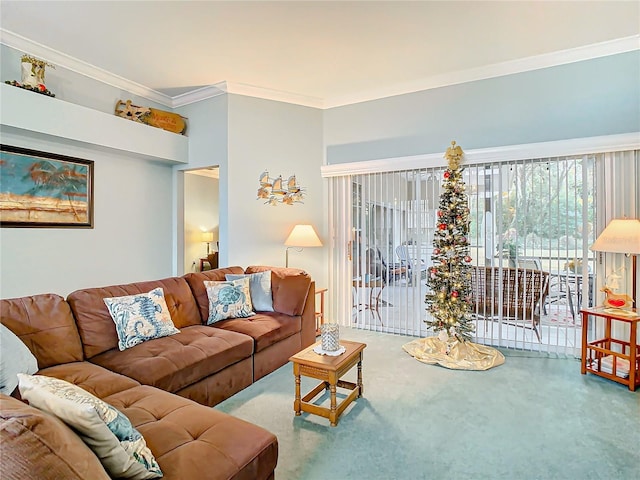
<point>207,237</point>
<point>303,236</point>
<point>622,235</point>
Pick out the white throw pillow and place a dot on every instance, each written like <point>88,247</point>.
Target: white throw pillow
<point>259,287</point>
<point>141,317</point>
<point>121,449</point>
<point>229,300</point>
<point>15,358</point>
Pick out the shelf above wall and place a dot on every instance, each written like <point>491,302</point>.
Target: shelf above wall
<point>32,114</point>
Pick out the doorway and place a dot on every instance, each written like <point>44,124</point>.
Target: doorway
<point>201,218</point>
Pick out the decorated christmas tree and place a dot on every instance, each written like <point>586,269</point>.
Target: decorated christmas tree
<point>449,298</point>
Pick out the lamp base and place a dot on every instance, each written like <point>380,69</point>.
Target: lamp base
<point>286,256</point>
<point>634,292</point>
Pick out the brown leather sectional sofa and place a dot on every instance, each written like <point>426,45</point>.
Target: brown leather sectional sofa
<point>164,386</point>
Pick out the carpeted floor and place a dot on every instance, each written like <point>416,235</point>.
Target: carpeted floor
<point>531,418</point>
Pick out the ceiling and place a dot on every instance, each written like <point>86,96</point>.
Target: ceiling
<point>328,52</point>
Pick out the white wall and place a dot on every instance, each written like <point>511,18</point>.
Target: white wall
<point>73,87</point>
<point>131,239</point>
<point>207,128</point>
<point>201,213</point>
<point>284,139</point>
<point>577,100</point>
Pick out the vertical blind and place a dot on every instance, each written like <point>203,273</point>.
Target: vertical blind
<point>537,214</point>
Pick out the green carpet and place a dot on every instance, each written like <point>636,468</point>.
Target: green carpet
<point>531,418</point>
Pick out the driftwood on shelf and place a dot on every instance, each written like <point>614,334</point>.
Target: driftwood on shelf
<point>169,121</point>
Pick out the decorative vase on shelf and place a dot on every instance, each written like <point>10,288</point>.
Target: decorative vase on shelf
<point>32,75</point>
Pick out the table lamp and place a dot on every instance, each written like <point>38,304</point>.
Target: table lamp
<point>622,235</point>
<point>301,236</point>
<point>207,237</point>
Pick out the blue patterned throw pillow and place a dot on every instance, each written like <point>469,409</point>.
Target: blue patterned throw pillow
<point>139,318</point>
<point>229,300</point>
<point>121,449</point>
<point>259,288</point>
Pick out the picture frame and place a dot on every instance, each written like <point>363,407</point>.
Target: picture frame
<point>40,190</point>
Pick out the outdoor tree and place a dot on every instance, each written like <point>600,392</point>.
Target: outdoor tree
<point>449,297</point>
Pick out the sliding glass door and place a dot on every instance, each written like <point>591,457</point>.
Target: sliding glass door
<point>535,214</point>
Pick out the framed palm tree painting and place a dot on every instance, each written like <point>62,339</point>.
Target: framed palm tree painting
<point>39,189</point>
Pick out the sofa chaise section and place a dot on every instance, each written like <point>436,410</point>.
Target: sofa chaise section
<point>191,441</point>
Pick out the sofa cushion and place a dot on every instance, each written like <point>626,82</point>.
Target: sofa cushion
<point>289,288</point>
<point>141,317</point>
<point>119,446</point>
<point>189,439</point>
<point>172,363</point>
<point>229,300</point>
<point>196,283</point>
<point>95,325</point>
<point>45,324</point>
<point>28,434</point>
<point>16,358</point>
<point>260,288</point>
<point>90,377</point>
<point>265,328</point>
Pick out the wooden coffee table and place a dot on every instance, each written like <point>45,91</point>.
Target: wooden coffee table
<point>329,370</point>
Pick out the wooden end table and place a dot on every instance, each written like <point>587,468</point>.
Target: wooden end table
<point>595,351</point>
<point>330,370</point>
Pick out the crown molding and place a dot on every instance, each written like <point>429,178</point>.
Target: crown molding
<point>276,95</point>
<point>199,94</point>
<point>63,60</point>
<point>557,148</point>
<point>537,62</point>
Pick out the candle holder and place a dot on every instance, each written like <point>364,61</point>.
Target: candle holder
<point>330,336</point>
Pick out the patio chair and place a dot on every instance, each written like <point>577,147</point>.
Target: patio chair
<point>529,263</point>
<point>559,288</point>
<point>390,272</point>
<point>512,296</point>
<point>416,267</point>
<point>371,283</point>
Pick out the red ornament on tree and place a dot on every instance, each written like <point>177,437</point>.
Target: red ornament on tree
<point>439,213</point>
<point>467,259</point>
<point>454,294</point>
<point>41,87</point>
<point>442,226</point>
<point>436,251</point>
<point>447,174</point>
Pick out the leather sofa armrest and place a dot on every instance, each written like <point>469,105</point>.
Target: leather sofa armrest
<point>290,288</point>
